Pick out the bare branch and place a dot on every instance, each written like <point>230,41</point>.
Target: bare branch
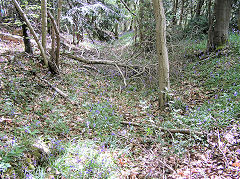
<point>124,79</point>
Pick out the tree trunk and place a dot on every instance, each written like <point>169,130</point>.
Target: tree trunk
<point>116,31</point>
<point>199,7</point>
<point>239,19</point>
<point>58,35</point>
<point>53,66</point>
<point>210,26</point>
<point>141,28</point>
<point>45,60</point>
<point>26,39</point>
<point>44,23</point>
<point>219,35</point>
<point>191,9</point>
<point>162,53</point>
<point>182,11</point>
<point>174,12</point>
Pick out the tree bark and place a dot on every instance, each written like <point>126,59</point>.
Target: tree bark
<point>162,53</point>
<point>116,31</point>
<point>58,36</point>
<point>32,32</point>
<point>174,12</point>
<point>199,7</point>
<point>141,28</point>
<point>26,39</point>
<point>44,23</point>
<point>181,14</point>
<point>219,34</point>
<point>239,19</point>
<point>53,66</point>
<point>210,26</point>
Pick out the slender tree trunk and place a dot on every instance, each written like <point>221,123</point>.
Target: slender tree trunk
<point>55,32</point>
<point>26,39</point>
<point>58,36</point>
<point>239,19</point>
<point>210,26</point>
<point>140,21</point>
<point>53,44</point>
<point>222,14</point>
<point>162,53</point>
<point>199,7</point>
<point>174,12</point>
<point>192,9</point>
<point>116,31</point>
<point>182,11</point>
<point>45,60</point>
<point>44,23</point>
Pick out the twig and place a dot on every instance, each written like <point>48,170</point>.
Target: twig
<point>58,91</point>
<point>126,6</point>
<point>124,79</point>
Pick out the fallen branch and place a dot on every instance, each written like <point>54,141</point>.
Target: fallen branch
<point>58,91</point>
<point>120,71</point>
<point>15,38</point>
<point>182,131</point>
<point>101,62</point>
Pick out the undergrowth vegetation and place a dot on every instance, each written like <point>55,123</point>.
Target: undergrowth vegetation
<point>44,136</point>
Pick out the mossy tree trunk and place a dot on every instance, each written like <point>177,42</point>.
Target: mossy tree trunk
<point>218,38</point>
<point>162,53</point>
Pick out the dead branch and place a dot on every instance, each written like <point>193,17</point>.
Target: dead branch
<point>182,131</point>
<point>15,38</point>
<point>120,71</point>
<point>102,62</point>
<point>64,95</point>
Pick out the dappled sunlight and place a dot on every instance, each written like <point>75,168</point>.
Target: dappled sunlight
<point>95,100</point>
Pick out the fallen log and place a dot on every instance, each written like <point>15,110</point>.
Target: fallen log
<point>64,95</point>
<point>100,62</point>
<point>10,37</point>
<point>182,131</point>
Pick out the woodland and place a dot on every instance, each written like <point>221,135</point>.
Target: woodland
<point>119,89</point>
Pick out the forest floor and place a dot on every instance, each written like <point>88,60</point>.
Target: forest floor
<point>104,129</point>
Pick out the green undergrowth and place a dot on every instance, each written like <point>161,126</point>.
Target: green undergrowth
<point>87,141</point>
<point>218,78</point>
<point>30,109</point>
